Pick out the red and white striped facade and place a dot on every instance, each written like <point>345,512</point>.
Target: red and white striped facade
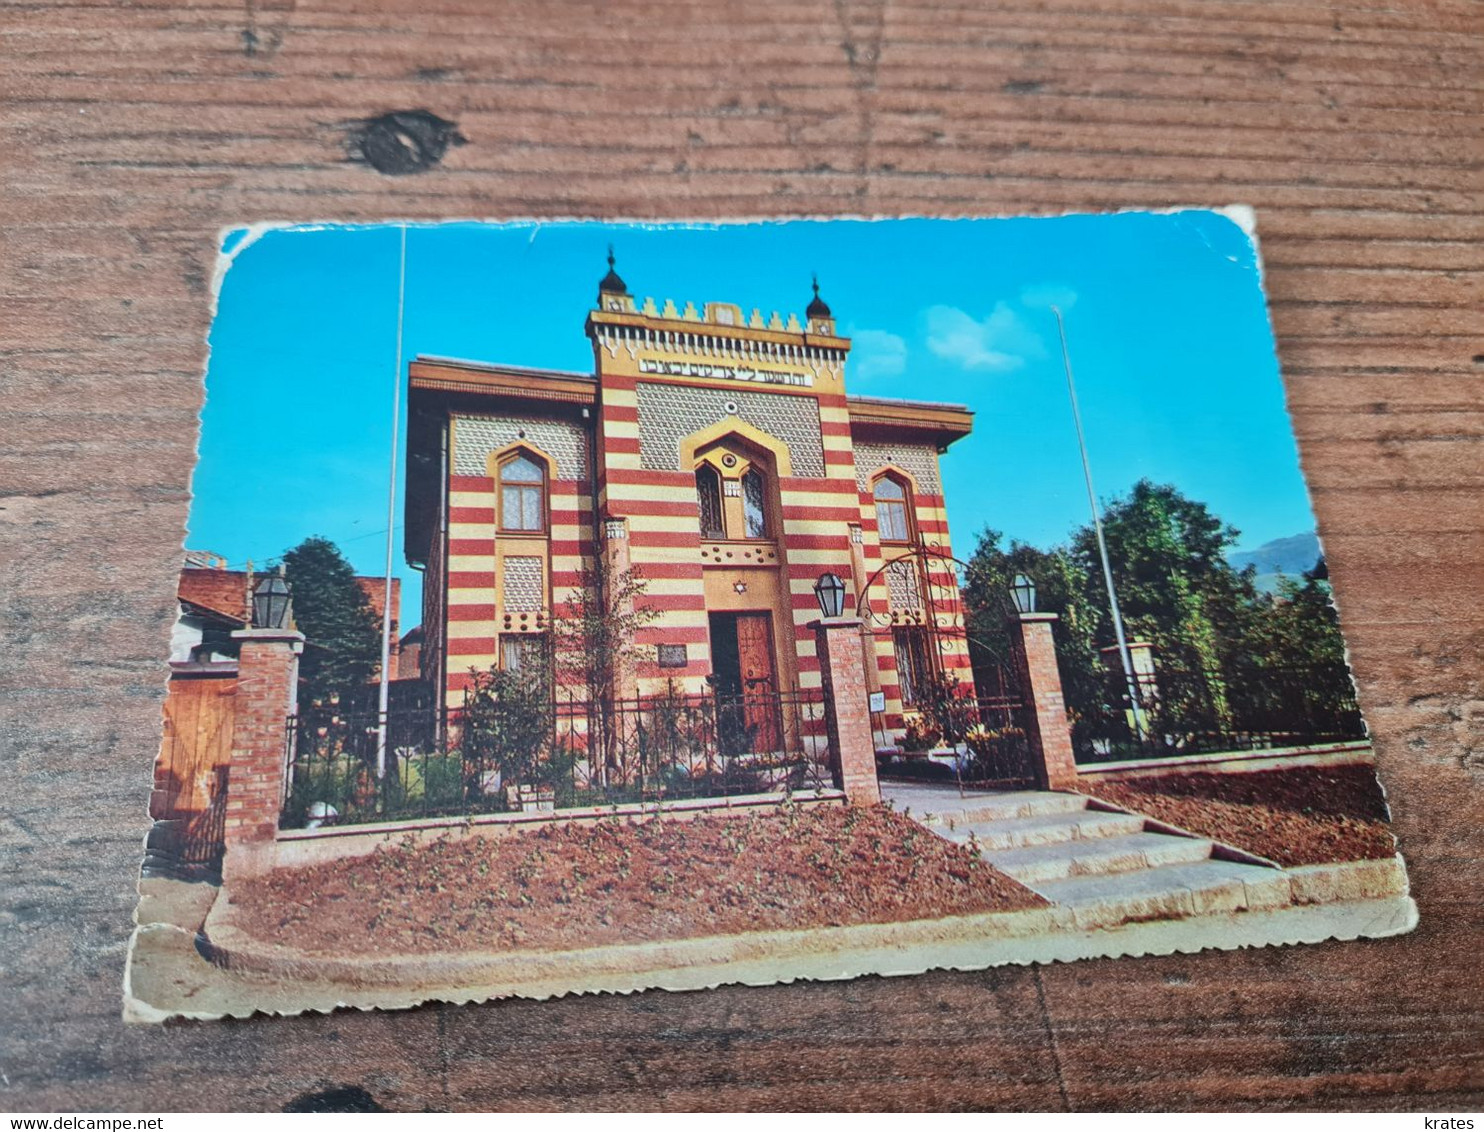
<point>759,403</point>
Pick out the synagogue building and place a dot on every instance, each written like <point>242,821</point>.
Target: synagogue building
<point>714,452</point>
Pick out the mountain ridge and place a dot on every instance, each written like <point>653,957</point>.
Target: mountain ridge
<point>1292,557</point>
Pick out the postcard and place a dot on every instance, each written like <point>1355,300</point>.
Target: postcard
<point>581,607</point>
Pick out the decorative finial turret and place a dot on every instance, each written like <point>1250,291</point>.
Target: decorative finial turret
<point>817,308</point>
<point>611,284</point>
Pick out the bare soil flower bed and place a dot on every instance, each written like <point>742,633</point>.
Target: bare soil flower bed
<point>1297,816</point>
<point>571,886</point>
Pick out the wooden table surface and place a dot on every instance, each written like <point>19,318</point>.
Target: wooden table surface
<point>131,134</point>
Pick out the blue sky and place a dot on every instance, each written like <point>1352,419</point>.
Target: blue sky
<point>1168,331</point>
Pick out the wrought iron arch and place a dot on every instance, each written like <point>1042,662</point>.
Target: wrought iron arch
<point>936,596</point>
<point>988,726</point>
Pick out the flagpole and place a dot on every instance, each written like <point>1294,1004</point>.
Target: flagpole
<point>384,689</point>
<point>1135,704</point>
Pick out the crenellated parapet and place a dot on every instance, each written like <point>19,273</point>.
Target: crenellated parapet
<point>671,348</point>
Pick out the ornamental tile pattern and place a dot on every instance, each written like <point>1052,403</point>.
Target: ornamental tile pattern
<point>523,590</point>
<point>476,437</point>
<point>920,461</point>
<point>670,413</point>
<point>901,585</point>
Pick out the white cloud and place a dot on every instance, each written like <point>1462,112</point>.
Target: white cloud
<point>999,342</point>
<point>1042,295</point>
<point>877,353</point>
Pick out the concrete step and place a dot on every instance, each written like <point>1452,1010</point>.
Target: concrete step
<point>1098,856</point>
<point>1020,804</point>
<point>1045,829</point>
<point>1172,891</point>
<point>996,807</point>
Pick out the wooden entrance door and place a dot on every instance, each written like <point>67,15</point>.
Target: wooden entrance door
<point>189,800</point>
<point>759,680</point>
<point>746,682</point>
<point>199,717</point>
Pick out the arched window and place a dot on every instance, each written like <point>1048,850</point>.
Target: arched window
<point>708,499</point>
<point>522,494</point>
<point>754,504</point>
<point>891,510</point>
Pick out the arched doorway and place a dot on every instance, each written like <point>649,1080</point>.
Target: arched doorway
<point>745,585</point>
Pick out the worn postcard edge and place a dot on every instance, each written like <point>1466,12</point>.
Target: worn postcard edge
<point>962,943</point>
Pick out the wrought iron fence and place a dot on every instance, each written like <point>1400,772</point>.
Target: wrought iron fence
<point>1240,708</point>
<point>562,753</point>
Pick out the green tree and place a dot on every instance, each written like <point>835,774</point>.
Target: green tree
<point>592,633</point>
<point>343,635</point>
<point>1297,627</point>
<point>506,722</point>
<point>1228,658</point>
<point>1175,585</point>
<point>1294,665</point>
<point>593,647</point>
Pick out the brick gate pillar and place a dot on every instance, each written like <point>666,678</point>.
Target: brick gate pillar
<point>267,694</point>
<point>1040,677</point>
<point>847,708</point>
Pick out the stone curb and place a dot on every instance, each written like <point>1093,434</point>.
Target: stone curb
<point>1341,901</point>
<point>1352,753</point>
<point>1351,880</point>
<point>645,964</point>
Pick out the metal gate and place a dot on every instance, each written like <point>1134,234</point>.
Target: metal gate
<point>997,744</point>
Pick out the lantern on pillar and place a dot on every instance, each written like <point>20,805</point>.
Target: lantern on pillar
<point>1023,590</point>
<point>829,591</point>
<point>271,602</point>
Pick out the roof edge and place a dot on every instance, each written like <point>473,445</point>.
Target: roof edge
<point>503,367</point>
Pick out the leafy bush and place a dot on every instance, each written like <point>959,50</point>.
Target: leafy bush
<point>442,785</point>
<point>675,742</point>
<point>341,783</point>
<point>920,735</point>
<point>996,753</point>
<point>506,722</point>
<point>947,706</point>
